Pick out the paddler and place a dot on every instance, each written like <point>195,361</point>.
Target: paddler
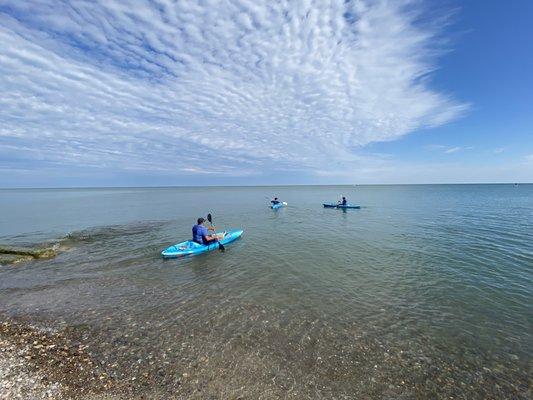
<point>200,233</point>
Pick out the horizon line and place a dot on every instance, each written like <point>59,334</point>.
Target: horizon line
<point>265,185</point>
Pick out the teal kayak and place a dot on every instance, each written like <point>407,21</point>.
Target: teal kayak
<point>279,205</point>
<point>335,205</point>
<point>190,248</point>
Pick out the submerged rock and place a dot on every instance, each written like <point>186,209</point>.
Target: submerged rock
<point>13,258</point>
<point>13,255</point>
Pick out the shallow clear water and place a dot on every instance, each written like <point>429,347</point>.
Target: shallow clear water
<point>426,291</point>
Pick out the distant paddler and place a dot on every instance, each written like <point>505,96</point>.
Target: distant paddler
<point>275,203</point>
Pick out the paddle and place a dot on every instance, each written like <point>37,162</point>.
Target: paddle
<point>220,246</point>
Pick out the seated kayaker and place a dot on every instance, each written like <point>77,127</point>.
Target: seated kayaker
<point>275,201</point>
<point>343,202</point>
<point>200,233</point>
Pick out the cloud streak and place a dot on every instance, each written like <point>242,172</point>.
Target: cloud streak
<point>447,149</point>
<point>212,87</point>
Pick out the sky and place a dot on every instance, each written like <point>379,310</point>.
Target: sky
<point>251,92</point>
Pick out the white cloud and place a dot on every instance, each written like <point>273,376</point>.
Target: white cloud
<point>212,87</point>
<point>452,150</point>
<point>447,149</point>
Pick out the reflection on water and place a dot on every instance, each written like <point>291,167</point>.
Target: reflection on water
<point>424,292</point>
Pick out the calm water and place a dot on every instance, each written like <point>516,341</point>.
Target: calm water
<point>424,292</point>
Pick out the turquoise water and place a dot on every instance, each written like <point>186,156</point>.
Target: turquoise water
<point>425,292</point>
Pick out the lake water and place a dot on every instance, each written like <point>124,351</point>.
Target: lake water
<point>425,292</point>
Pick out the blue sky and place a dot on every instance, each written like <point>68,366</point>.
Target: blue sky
<point>218,92</point>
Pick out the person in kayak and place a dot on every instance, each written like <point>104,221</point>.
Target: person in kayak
<point>275,201</point>
<point>200,233</point>
<point>342,202</point>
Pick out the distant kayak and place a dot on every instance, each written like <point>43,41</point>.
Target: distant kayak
<point>190,248</point>
<point>279,205</point>
<point>335,205</point>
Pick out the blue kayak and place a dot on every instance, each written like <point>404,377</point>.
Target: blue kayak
<point>335,205</point>
<point>190,248</point>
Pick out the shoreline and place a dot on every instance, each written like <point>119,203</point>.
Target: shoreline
<point>35,363</point>
<point>42,363</point>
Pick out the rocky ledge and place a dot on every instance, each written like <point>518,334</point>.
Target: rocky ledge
<point>14,255</point>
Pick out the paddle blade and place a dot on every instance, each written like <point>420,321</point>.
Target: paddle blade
<point>209,218</point>
<point>221,248</point>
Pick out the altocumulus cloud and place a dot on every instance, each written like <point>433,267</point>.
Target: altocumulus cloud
<point>157,85</point>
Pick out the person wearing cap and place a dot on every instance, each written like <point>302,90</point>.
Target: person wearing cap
<point>200,233</point>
